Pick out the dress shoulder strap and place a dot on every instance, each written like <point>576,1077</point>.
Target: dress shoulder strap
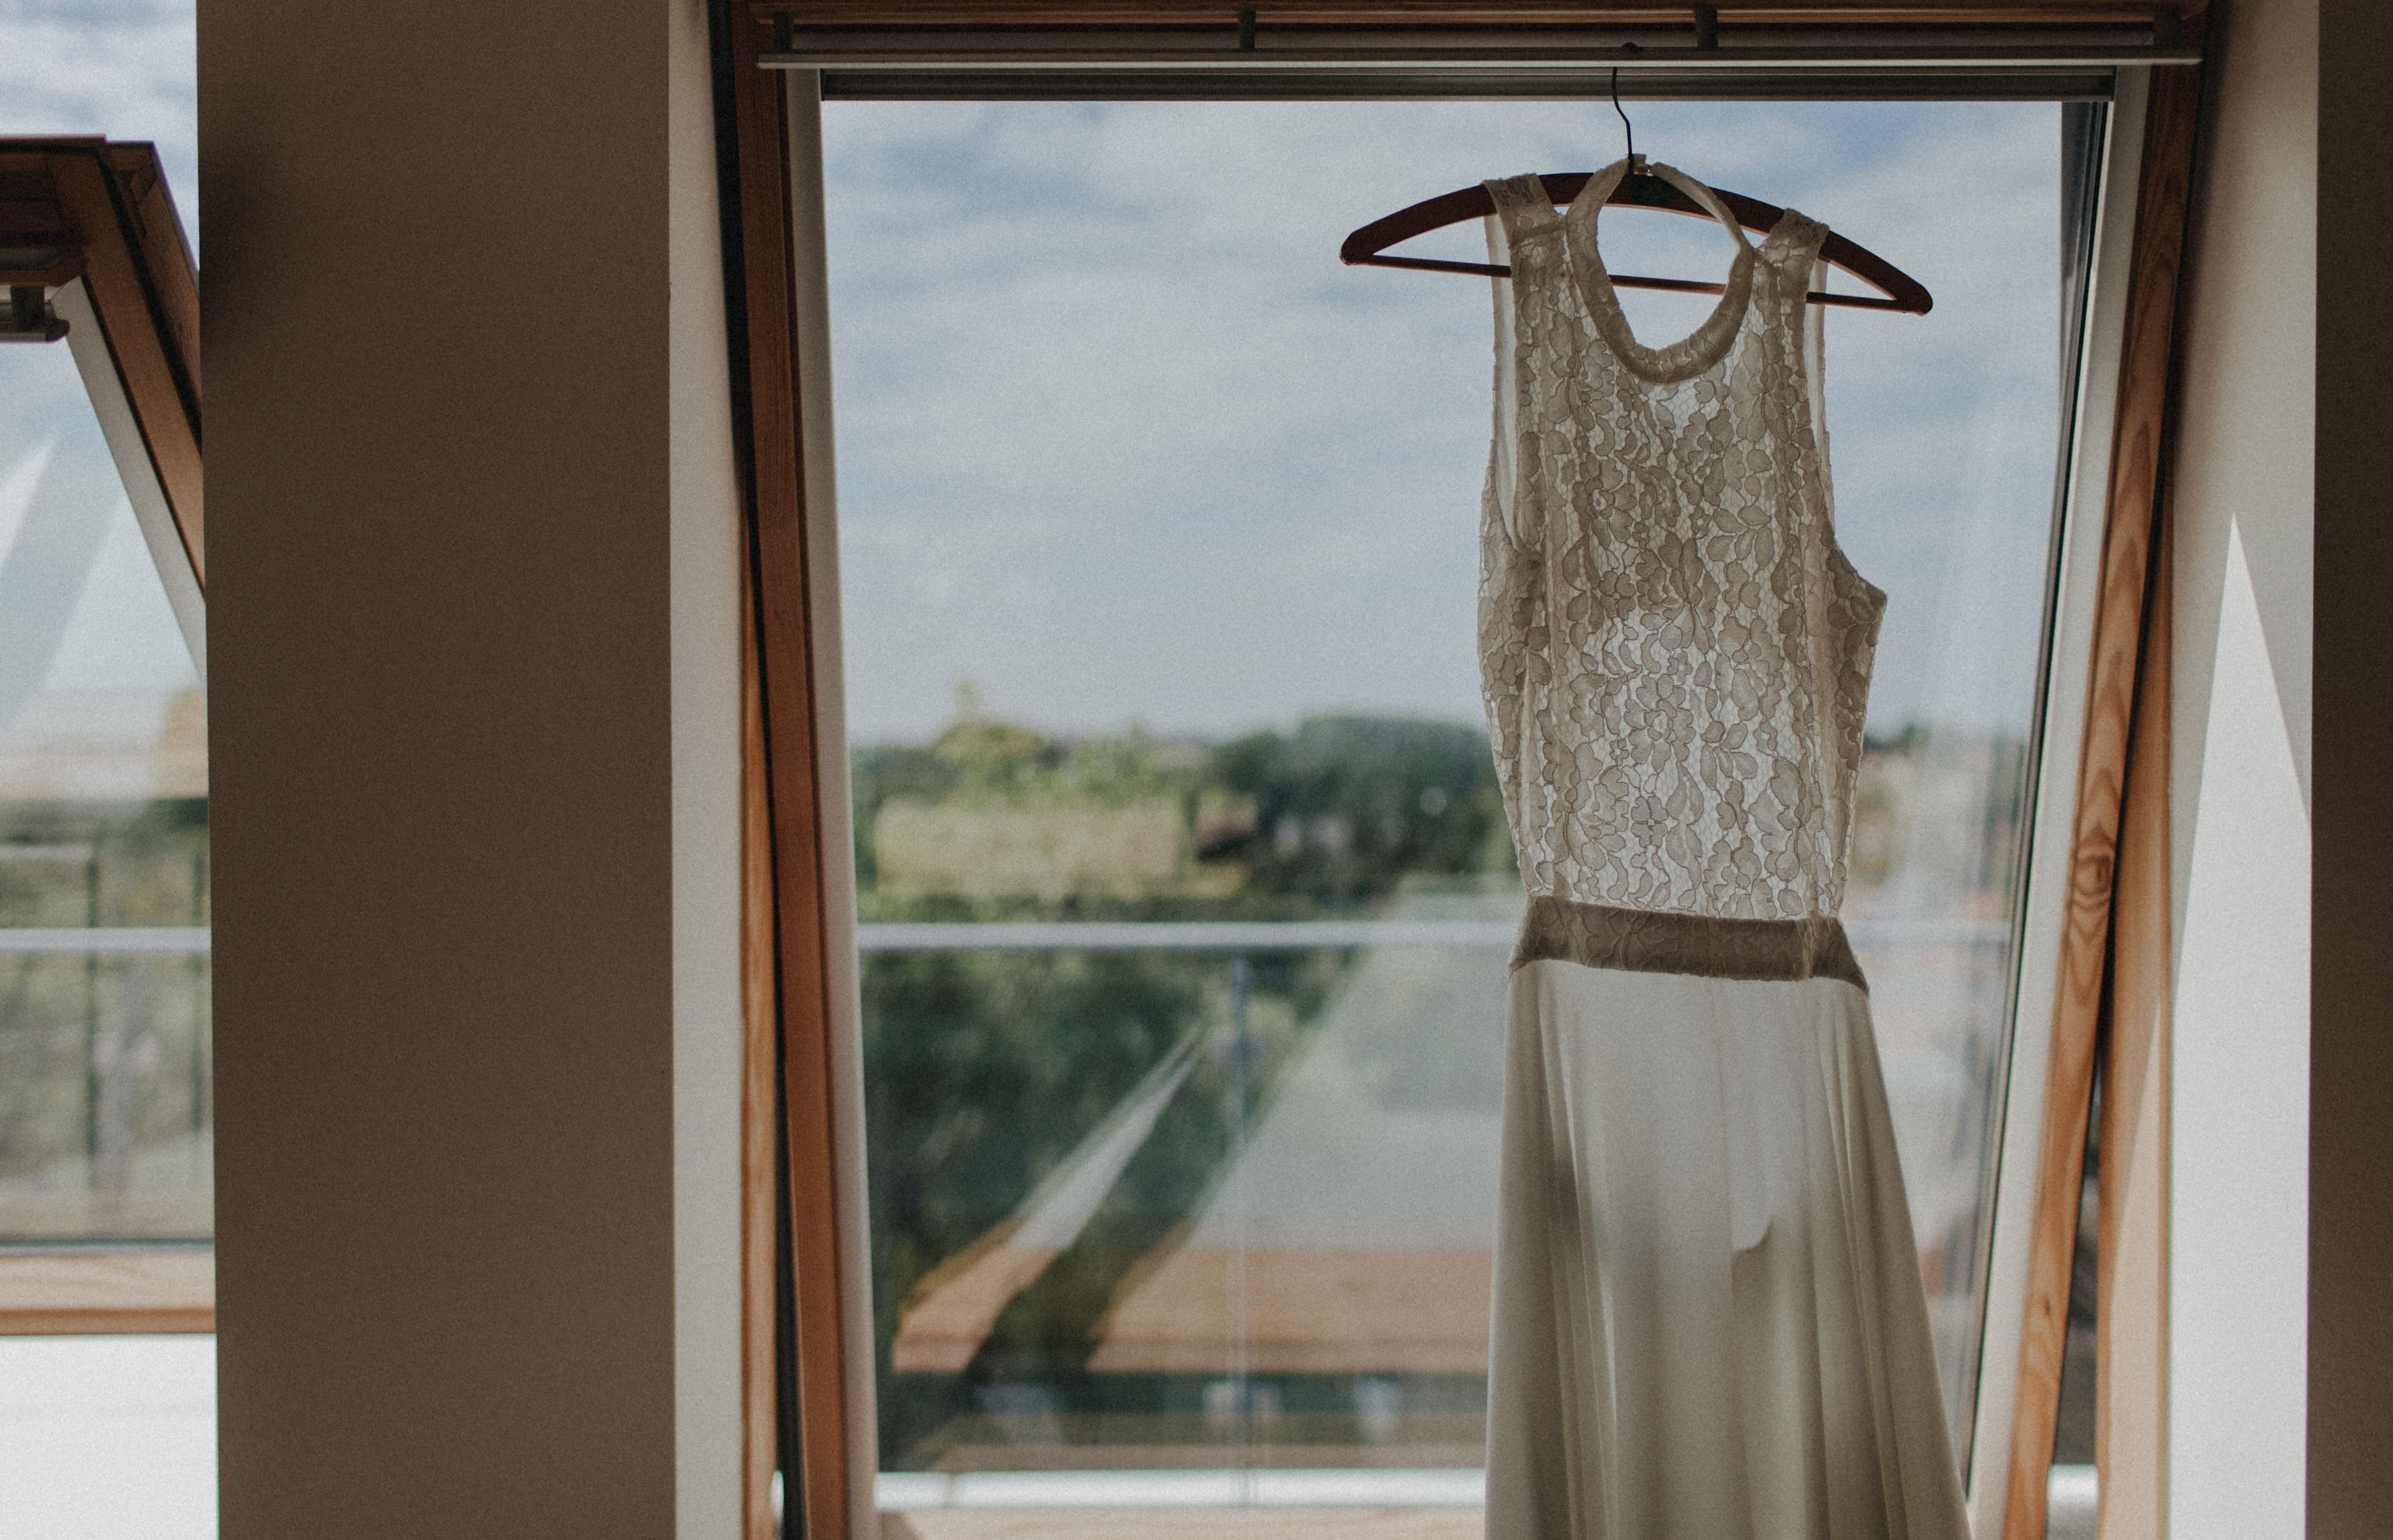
<point>1521,204</point>
<point>1793,244</point>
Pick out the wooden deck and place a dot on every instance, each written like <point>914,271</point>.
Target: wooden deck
<point>45,1294</point>
<point>1304,1310</point>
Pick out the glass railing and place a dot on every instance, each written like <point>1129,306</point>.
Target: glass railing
<point>105,1125</point>
<point>1198,1214</point>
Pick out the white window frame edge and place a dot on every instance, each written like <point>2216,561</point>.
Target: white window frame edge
<point>87,340</point>
<point>810,276</point>
<point>2068,683</point>
<point>705,533</point>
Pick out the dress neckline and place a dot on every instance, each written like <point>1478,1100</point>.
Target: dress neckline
<point>1701,348</point>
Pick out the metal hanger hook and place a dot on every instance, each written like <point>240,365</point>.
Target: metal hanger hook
<point>1627,128</point>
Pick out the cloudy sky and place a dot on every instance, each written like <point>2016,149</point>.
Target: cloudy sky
<point>1121,438</point>
<point>123,67</point>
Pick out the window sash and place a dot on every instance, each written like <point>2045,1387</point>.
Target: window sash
<point>820,1028</point>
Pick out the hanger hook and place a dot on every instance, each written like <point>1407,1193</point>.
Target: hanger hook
<point>1627,127</point>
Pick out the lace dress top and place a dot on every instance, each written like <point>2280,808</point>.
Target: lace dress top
<point>1675,655</point>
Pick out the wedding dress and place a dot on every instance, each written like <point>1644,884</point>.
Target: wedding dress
<point>1710,1323</point>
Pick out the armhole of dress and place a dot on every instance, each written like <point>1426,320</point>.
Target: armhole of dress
<point>1815,384</point>
<point>1502,468</point>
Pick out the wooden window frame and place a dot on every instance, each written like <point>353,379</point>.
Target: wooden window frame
<point>2114,959</point>
<point>93,223</point>
<point>2108,916</point>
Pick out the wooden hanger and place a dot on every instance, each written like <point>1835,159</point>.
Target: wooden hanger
<point>1639,188</point>
<point>1903,292</point>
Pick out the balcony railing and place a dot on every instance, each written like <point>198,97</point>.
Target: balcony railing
<point>104,940</point>
<point>1301,935</point>
<point>1233,935</point>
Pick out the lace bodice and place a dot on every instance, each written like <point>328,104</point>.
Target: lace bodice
<point>1675,655</point>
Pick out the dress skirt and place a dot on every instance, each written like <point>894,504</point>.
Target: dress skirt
<point>1710,1323</point>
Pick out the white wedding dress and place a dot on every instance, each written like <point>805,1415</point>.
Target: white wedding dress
<point>1710,1323</point>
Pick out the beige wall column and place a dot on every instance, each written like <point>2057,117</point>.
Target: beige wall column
<point>473,758</point>
<point>2228,1357</point>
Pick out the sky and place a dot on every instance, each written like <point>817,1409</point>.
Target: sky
<point>1120,438</point>
<point>123,67</point>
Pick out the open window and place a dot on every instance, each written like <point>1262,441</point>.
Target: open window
<point>1142,894</point>
<point>106,1180</point>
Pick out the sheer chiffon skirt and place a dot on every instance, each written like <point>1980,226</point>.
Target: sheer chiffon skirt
<point>1710,1323</point>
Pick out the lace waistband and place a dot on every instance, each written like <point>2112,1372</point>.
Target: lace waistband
<point>1597,936</point>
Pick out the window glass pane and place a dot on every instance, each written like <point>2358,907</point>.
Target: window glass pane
<point>1186,889</point>
<point>104,1123</point>
<point>104,1023</point>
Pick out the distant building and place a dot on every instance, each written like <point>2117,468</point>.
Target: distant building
<point>106,745</point>
<point>1048,852</point>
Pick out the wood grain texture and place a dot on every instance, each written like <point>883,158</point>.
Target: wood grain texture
<point>147,296</point>
<point>2131,1279</point>
<point>155,231</point>
<point>120,1292</point>
<point>37,243</point>
<point>759,1101</point>
<point>784,657</point>
<point>2130,512</point>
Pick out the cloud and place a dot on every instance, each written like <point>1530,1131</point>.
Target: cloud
<point>1120,438</point>
<point>123,67</point>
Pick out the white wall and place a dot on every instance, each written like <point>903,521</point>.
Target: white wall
<point>2239,1084</point>
<point>707,1024</point>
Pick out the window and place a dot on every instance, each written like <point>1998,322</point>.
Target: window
<point>106,1160</point>
<point>103,845</point>
<point>1184,893</point>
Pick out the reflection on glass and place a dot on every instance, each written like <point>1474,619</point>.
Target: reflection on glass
<point>1186,889</point>
<point>1159,1180</point>
<point>104,1024</point>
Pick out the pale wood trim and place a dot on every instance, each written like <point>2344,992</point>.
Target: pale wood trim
<point>759,1103</point>
<point>91,1293</point>
<point>816,1494</point>
<point>2129,526</point>
<point>2131,1290</point>
<point>809,243</point>
<point>155,232</point>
